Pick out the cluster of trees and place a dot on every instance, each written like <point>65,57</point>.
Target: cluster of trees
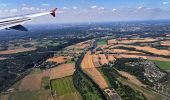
<point>86,87</point>
<point>126,92</point>
<point>20,63</point>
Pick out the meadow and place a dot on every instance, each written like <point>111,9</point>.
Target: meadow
<point>63,88</point>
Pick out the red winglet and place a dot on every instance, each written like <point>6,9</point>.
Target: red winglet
<point>53,12</point>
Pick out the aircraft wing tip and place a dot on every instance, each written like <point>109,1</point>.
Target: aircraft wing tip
<point>53,12</point>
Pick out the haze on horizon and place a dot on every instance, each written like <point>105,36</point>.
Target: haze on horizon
<point>89,10</point>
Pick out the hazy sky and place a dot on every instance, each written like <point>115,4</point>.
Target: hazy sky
<point>89,10</point>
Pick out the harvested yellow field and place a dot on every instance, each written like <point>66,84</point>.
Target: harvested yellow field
<point>152,50</point>
<point>111,58</point>
<point>80,45</point>
<point>17,50</point>
<point>62,71</point>
<point>96,60</point>
<point>31,82</point>
<point>126,41</point>
<point>83,46</point>
<point>165,43</point>
<point>97,77</point>
<point>88,66</point>
<point>129,56</point>
<point>87,61</point>
<point>103,59</point>
<point>147,49</point>
<point>119,51</point>
<point>125,51</point>
<point>59,59</point>
<point>113,41</point>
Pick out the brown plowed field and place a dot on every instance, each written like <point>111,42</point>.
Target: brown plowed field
<point>31,82</point>
<point>62,71</point>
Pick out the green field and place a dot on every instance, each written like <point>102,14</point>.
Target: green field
<point>165,65</point>
<point>102,42</point>
<point>64,88</point>
<point>24,95</point>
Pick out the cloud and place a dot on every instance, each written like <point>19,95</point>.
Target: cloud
<point>101,8</point>
<point>13,11</point>
<point>65,8</point>
<point>44,4</point>
<point>93,7</point>
<point>74,8</point>
<point>113,10</point>
<point>165,3</point>
<point>140,7</point>
<point>27,8</point>
<point>60,12</point>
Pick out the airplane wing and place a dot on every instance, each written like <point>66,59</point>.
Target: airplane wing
<point>16,22</point>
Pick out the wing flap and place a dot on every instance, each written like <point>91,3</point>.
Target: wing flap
<point>19,27</point>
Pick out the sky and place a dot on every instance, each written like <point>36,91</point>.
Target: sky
<point>71,11</point>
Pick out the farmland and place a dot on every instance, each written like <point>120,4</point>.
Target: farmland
<point>31,82</point>
<point>62,71</point>
<point>88,66</point>
<point>43,65</point>
<point>63,89</point>
<point>165,65</point>
<point>59,59</point>
<point>17,50</point>
<point>32,87</point>
<point>102,42</point>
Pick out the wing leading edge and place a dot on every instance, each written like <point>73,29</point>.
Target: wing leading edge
<point>16,22</point>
